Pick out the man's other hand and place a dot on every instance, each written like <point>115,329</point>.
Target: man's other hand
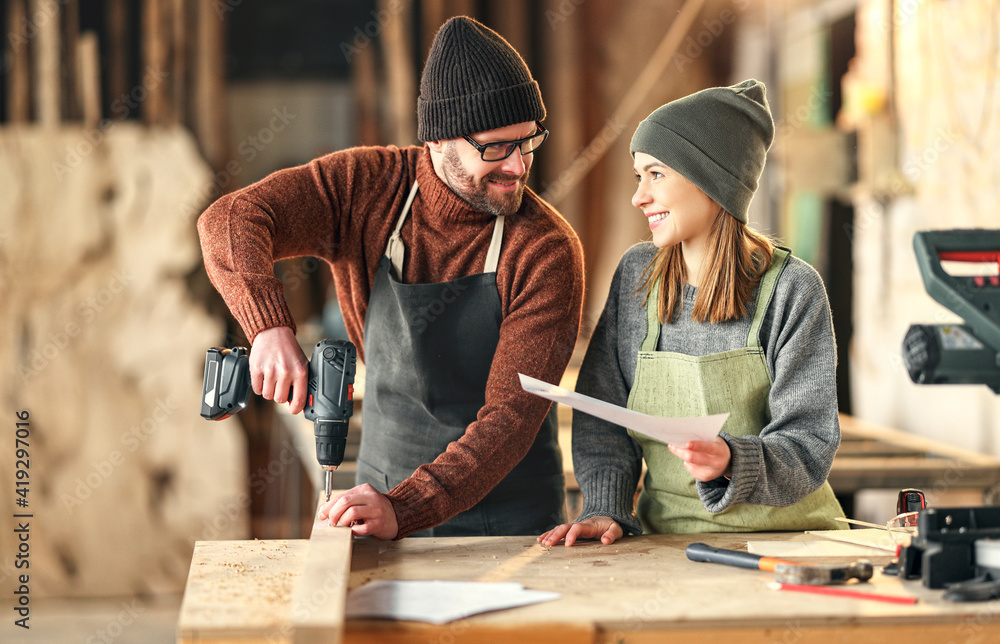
<point>365,510</point>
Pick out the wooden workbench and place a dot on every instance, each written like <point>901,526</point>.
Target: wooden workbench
<point>642,589</point>
<point>871,456</point>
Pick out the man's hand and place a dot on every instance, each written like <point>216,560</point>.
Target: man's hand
<point>277,363</point>
<point>365,510</point>
<point>604,528</point>
<point>705,460</point>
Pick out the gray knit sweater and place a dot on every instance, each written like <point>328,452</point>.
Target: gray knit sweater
<point>793,454</point>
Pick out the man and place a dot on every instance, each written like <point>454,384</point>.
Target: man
<point>452,276</point>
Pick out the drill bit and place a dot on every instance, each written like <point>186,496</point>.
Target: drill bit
<point>329,482</point>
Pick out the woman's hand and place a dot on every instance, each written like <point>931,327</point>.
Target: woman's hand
<point>604,528</point>
<point>705,460</point>
<point>365,510</point>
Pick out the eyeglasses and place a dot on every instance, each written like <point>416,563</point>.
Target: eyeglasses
<point>502,149</point>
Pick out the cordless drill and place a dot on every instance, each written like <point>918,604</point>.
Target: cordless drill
<point>329,402</point>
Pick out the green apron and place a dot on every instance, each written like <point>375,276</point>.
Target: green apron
<point>676,385</point>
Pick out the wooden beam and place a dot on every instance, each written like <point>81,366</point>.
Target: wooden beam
<point>47,64</point>
<point>70,27</point>
<point>433,15</point>
<point>318,603</point>
<point>19,74</point>
<point>365,81</point>
<point>178,61</point>
<point>88,79</point>
<point>400,74</point>
<point>155,56</point>
<point>209,86</point>
<point>116,48</point>
<point>512,20</point>
<point>650,75</point>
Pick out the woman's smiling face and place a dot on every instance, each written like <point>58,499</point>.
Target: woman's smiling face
<point>676,209</point>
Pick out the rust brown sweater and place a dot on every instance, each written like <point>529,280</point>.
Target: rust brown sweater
<point>342,208</point>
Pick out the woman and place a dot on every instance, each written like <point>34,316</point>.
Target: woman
<point>708,318</point>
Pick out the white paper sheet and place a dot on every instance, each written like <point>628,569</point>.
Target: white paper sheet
<point>676,431</point>
<point>438,602</point>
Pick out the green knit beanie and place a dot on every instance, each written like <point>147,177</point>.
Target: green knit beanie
<point>717,138</point>
<point>474,81</point>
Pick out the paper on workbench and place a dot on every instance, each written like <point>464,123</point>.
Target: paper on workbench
<point>668,430</point>
<point>438,602</point>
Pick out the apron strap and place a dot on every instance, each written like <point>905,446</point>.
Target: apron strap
<point>765,294</point>
<point>395,250</point>
<point>493,254</point>
<point>652,318</point>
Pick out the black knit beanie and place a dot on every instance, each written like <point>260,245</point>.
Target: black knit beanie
<point>474,81</point>
<point>717,138</point>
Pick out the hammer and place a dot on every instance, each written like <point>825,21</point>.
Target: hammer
<point>788,572</point>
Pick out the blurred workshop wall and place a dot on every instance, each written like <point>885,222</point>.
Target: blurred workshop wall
<point>604,67</point>
<point>109,113</point>
<point>922,95</point>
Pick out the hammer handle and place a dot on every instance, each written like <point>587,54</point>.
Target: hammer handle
<point>703,552</point>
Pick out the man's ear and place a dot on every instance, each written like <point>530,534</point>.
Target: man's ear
<point>436,146</point>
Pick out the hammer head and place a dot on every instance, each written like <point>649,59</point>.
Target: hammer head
<point>822,575</point>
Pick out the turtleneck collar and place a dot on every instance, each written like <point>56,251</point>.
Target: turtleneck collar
<point>438,198</point>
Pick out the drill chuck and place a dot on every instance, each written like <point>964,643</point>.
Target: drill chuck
<point>331,442</point>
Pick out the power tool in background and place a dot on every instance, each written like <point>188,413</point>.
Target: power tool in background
<point>966,353</point>
<point>329,402</point>
<point>957,548</point>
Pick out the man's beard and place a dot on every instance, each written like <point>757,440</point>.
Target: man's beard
<point>478,195</point>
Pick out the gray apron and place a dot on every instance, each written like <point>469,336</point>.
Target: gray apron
<point>428,352</point>
<point>737,381</point>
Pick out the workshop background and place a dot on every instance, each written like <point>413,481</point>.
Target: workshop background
<point>120,121</point>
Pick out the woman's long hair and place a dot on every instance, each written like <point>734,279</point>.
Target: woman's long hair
<point>735,260</point>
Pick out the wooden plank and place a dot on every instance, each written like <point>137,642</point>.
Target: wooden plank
<point>320,594</point>
<point>240,591</point>
<point>852,427</point>
<point>19,76</point>
<point>47,64</point>
<point>851,474</point>
<point>620,593</point>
